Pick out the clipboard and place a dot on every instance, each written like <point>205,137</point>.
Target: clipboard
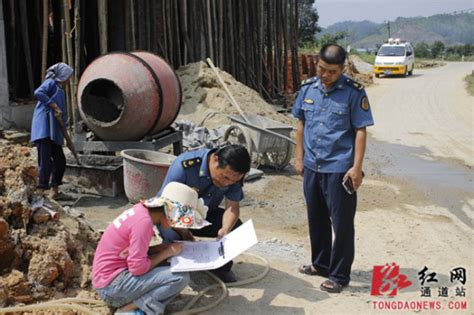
<point>208,255</point>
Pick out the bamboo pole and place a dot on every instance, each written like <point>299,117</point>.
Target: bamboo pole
<point>165,31</point>
<point>26,45</point>
<point>147,25</point>
<point>284,22</point>
<point>77,62</point>
<point>13,74</point>
<point>70,60</point>
<point>44,45</point>
<point>127,26</point>
<point>64,57</point>
<point>209,29</point>
<point>132,16</point>
<point>221,58</point>
<point>141,24</point>
<point>260,46</point>
<point>176,34</point>
<point>102,15</point>
<point>183,16</point>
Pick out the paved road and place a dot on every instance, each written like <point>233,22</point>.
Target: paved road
<point>432,109</point>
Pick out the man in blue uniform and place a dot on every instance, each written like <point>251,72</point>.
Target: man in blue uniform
<point>333,112</point>
<point>215,174</point>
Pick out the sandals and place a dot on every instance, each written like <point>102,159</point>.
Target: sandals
<point>312,271</point>
<point>332,286</point>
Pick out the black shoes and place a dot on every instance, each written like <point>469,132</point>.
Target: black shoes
<point>225,276</point>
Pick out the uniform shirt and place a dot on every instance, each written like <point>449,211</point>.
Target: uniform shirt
<point>330,119</point>
<point>192,168</point>
<point>124,245</point>
<point>44,124</point>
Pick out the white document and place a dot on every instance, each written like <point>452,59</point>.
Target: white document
<point>214,254</point>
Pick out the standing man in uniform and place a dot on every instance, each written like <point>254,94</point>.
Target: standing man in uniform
<point>333,113</point>
<point>215,174</point>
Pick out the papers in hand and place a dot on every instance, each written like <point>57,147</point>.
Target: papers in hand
<point>214,254</point>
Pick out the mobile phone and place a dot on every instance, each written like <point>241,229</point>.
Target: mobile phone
<point>347,184</point>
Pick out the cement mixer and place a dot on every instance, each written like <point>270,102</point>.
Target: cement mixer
<point>127,96</point>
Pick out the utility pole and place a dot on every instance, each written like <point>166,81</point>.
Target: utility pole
<point>388,26</point>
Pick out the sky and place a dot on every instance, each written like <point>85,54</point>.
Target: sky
<point>332,11</point>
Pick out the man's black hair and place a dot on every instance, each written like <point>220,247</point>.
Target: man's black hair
<point>333,54</point>
<point>236,156</point>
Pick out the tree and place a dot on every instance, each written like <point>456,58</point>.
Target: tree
<point>331,39</point>
<point>467,50</point>
<point>422,50</point>
<point>308,21</point>
<point>437,48</point>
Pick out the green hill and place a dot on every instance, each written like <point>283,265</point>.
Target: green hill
<point>451,29</point>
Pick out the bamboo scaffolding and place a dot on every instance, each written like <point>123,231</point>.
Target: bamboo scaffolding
<point>254,40</point>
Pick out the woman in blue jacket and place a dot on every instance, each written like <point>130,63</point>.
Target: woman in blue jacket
<point>46,132</point>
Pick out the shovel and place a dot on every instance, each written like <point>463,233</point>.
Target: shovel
<point>69,143</point>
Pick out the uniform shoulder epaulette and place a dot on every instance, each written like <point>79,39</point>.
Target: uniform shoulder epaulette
<point>191,162</point>
<point>309,81</point>
<point>354,84</point>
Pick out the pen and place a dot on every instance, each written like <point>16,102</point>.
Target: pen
<point>221,250</point>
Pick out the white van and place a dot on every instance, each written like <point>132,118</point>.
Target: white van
<point>395,58</point>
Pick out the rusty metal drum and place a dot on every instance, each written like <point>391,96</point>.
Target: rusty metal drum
<point>127,96</point>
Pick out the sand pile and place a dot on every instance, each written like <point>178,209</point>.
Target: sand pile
<point>205,102</point>
<point>40,258</point>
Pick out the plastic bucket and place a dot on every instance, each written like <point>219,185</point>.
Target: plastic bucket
<point>144,172</point>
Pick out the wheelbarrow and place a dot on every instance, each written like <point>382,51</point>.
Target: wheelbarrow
<point>260,136</point>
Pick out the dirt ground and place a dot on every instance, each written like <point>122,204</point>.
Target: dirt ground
<point>415,208</point>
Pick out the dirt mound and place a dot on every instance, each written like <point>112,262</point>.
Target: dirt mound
<point>205,101</point>
<point>40,257</point>
<point>351,69</point>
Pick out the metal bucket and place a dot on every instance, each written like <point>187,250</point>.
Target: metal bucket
<point>144,172</point>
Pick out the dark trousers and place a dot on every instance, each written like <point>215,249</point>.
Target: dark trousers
<point>51,163</point>
<point>328,204</point>
<point>213,216</point>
